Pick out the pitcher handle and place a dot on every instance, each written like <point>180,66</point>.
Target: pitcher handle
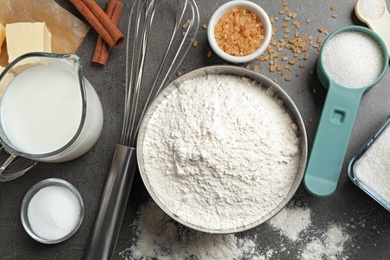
<point>13,166</point>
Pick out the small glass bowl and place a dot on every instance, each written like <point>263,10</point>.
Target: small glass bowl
<point>30,194</point>
<point>223,9</point>
<point>369,154</point>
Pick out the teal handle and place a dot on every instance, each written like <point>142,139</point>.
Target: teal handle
<point>332,138</point>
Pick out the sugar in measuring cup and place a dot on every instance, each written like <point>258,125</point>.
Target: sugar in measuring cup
<point>374,13</point>
<point>49,112</point>
<point>353,59</point>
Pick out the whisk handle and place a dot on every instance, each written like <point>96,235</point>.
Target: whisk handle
<point>113,204</point>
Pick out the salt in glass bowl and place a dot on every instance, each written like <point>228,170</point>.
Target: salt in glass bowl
<point>30,194</point>
<point>223,9</point>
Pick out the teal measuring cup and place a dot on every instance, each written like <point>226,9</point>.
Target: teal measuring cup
<point>337,119</point>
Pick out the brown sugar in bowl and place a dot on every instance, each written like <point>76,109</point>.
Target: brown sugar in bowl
<point>239,31</point>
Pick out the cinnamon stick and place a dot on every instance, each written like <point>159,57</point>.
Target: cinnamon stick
<point>102,49</point>
<point>100,21</point>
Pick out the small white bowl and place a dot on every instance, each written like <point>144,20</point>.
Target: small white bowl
<point>251,7</point>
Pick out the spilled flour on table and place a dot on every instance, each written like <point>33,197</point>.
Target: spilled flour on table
<point>160,237</point>
<point>330,245</point>
<point>291,222</point>
<point>295,224</point>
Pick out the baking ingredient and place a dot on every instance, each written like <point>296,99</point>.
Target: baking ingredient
<point>53,212</point>
<point>371,9</point>
<point>67,30</point>
<point>290,40</point>
<point>42,110</point>
<point>221,152</point>
<point>157,230</point>
<point>157,236</point>
<point>353,59</point>
<point>291,221</point>
<point>160,237</point>
<point>2,36</point>
<point>100,21</point>
<point>372,169</point>
<point>239,32</point>
<point>27,37</point>
<point>314,243</point>
<point>102,49</point>
<point>329,246</point>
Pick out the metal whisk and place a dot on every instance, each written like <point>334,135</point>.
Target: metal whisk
<point>140,35</point>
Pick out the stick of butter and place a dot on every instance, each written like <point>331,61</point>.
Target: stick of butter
<point>2,35</point>
<point>27,37</point>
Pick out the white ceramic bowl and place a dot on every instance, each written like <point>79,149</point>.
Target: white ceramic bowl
<point>251,7</point>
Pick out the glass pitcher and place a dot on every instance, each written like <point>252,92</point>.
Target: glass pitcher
<point>48,112</point>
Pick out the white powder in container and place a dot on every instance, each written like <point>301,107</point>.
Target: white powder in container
<point>53,212</point>
<point>353,59</point>
<point>221,152</point>
<point>371,9</point>
<point>372,168</point>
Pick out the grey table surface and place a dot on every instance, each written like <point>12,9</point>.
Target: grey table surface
<point>368,224</point>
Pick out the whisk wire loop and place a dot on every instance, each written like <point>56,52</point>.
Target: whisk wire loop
<point>144,11</point>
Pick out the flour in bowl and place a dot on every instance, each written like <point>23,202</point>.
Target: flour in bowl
<point>221,152</point>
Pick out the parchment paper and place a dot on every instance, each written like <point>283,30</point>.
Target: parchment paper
<point>67,31</point>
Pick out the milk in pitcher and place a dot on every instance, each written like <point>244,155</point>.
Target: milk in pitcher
<point>43,112</point>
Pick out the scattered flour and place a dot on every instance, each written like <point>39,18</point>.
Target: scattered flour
<point>160,237</point>
<point>296,223</point>
<point>291,221</point>
<point>330,246</point>
<point>221,152</point>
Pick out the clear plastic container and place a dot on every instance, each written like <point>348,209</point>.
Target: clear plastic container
<point>369,169</point>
